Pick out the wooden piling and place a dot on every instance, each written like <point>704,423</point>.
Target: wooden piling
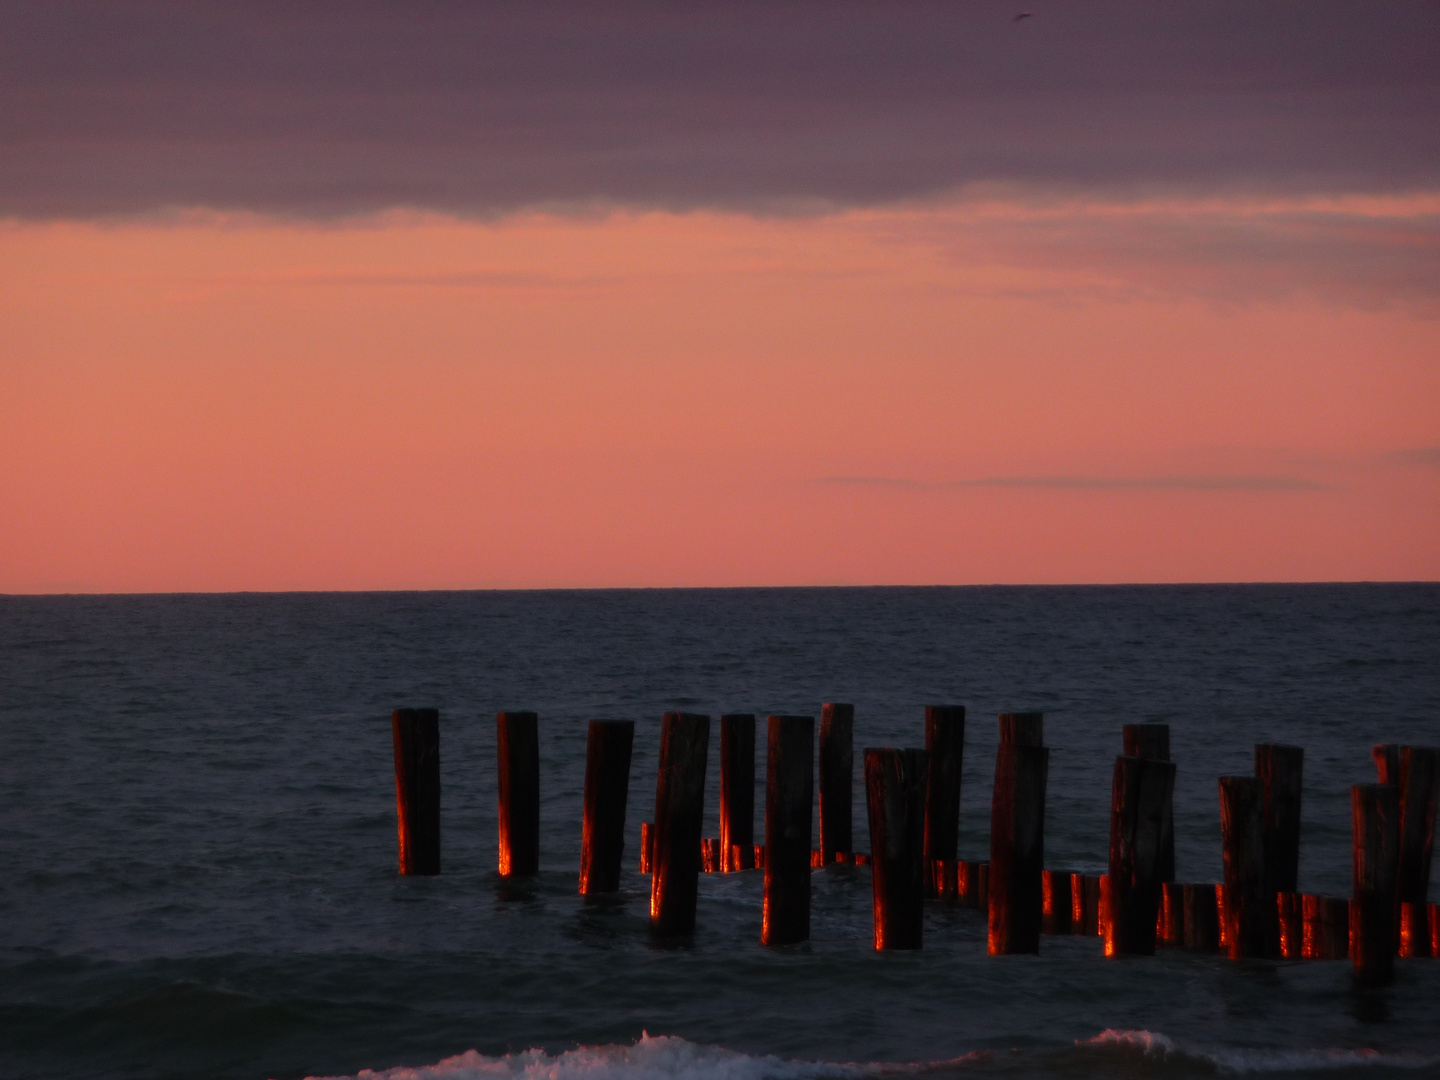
<point>1170,929</point>
<point>607,789</point>
<point>1375,824</point>
<point>1082,906</point>
<point>737,791</point>
<point>1202,918</point>
<point>1026,728</point>
<point>1419,793</point>
<point>895,802</point>
<point>416,735</point>
<point>679,808</point>
<point>789,801</point>
<point>1280,770</point>
<point>1291,918</point>
<point>1325,927</point>
<point>1432,912</point>
<point>1140,802</point>
<point>945,747</point>
<point>1056,906</point>
<point>972,883</point>
<point>647,847</point>
<point>1153,741</point>
<point>1017,842</point>
<point>1250,923</point>
<point>947,880</point>
<point>837,780</point>
<point>517,745</point>
<point>1387,762</point>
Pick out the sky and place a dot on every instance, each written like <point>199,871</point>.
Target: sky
<point>352,296</point>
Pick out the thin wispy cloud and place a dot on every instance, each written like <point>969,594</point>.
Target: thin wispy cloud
<point>1423,455</point>
<point>1089,483</point>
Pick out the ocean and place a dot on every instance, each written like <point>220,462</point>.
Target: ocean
<point>198,854</point>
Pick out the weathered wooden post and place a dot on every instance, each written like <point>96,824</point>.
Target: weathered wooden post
<point>517,744</point>
<point>1387,762</point>
<point>647,847</point>
<point>1419,793</point>
<point>1153,741</point>
<point>945,750</point>
<point>1171,928</point>
<point>1056,902</point>
<point>1017,839</point>
<point>1325,927</point>
<point>607,789</point>
<point>737,791</point>
<point>1202,918</point>
<point>1375,822</point>
<point>837,780</point>
<point>1082,912</point>
<point>1025,728</point>
<point>1251,921</point>
<point>679,808</point>
<point>1281,770</point>
<point>1292,925</point>
<point>895,801</point>
<point>1140,801</point>
<point>789,799</point>
<point>416,734</point>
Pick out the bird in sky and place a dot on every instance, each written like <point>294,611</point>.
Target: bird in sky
<point>1022,15</point>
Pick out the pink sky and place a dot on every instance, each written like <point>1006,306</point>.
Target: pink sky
<point>982,387</point>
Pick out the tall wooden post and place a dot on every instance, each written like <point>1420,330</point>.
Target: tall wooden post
<point>1419,794</point>
<point>789,800</point>
<point>737,791</point>
<point>1017,845</point>
<point>517,743</point>
<point>607,788</point>
<point>1140,803</point>
<point>837,779</point>
<point>1387,762</point>
<point>416,734</point>
<point>1281,770</point>
<point>895,800</point>
<point>1375,824</point>
<point>1026,728</point>
<point>945,750</point>
<point>679,808</point>
<point>1153,741</point>
<point>1251,920</point>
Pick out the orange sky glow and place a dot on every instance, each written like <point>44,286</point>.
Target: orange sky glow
<point>985,388</point>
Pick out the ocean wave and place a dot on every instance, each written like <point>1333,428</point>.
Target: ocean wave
<point>1156,1047</point>
<point>652,1057</point>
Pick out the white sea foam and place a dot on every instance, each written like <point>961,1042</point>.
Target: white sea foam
<point>1154,1045</point>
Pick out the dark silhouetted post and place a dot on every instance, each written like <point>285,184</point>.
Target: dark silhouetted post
<point>1325,927</point>
<point>1153,741</point>
<point>1017,844</point>
<point>1281,770</point>
<point>895,800</point>
<point>1375,821</point>
<point>416,734</point>
<point>945,747</point>
<point>1171,928</point>
<point>1251,925</point>
<point>1025,728</point>
<point>1055,900</point>
<point>789,800</point>
<point>517,741</point>
<point>1202,918</point>
<point>1419,791</point>
<point>737,791</point>
<point>1292,925</point>
<point>1140,802</point>
<point>607,787</point>
<point>679,808</point>
<point>1387,762</point>
<point>837,780</point>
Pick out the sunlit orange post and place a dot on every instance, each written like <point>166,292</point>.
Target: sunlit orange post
<point>1017,836</point>
<point>895,801</point>
<point>607,788</point>
<point>1387,762</point>
<point>737,791</point>
<point>416,734</point>
<point>1056,903</point>
<point>945,747</point>
<point>789,800</point>
<point>679,808</point>
<point>837,779</point>
<point>1325,927</point>
<point>1139,809</point>
<point>517,746</point>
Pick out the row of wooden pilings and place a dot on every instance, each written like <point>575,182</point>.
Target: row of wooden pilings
<point>913,805</point>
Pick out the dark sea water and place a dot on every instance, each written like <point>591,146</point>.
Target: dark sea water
<point>197,832</point>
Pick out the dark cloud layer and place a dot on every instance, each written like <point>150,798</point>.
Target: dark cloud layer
<point>324,109</point>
